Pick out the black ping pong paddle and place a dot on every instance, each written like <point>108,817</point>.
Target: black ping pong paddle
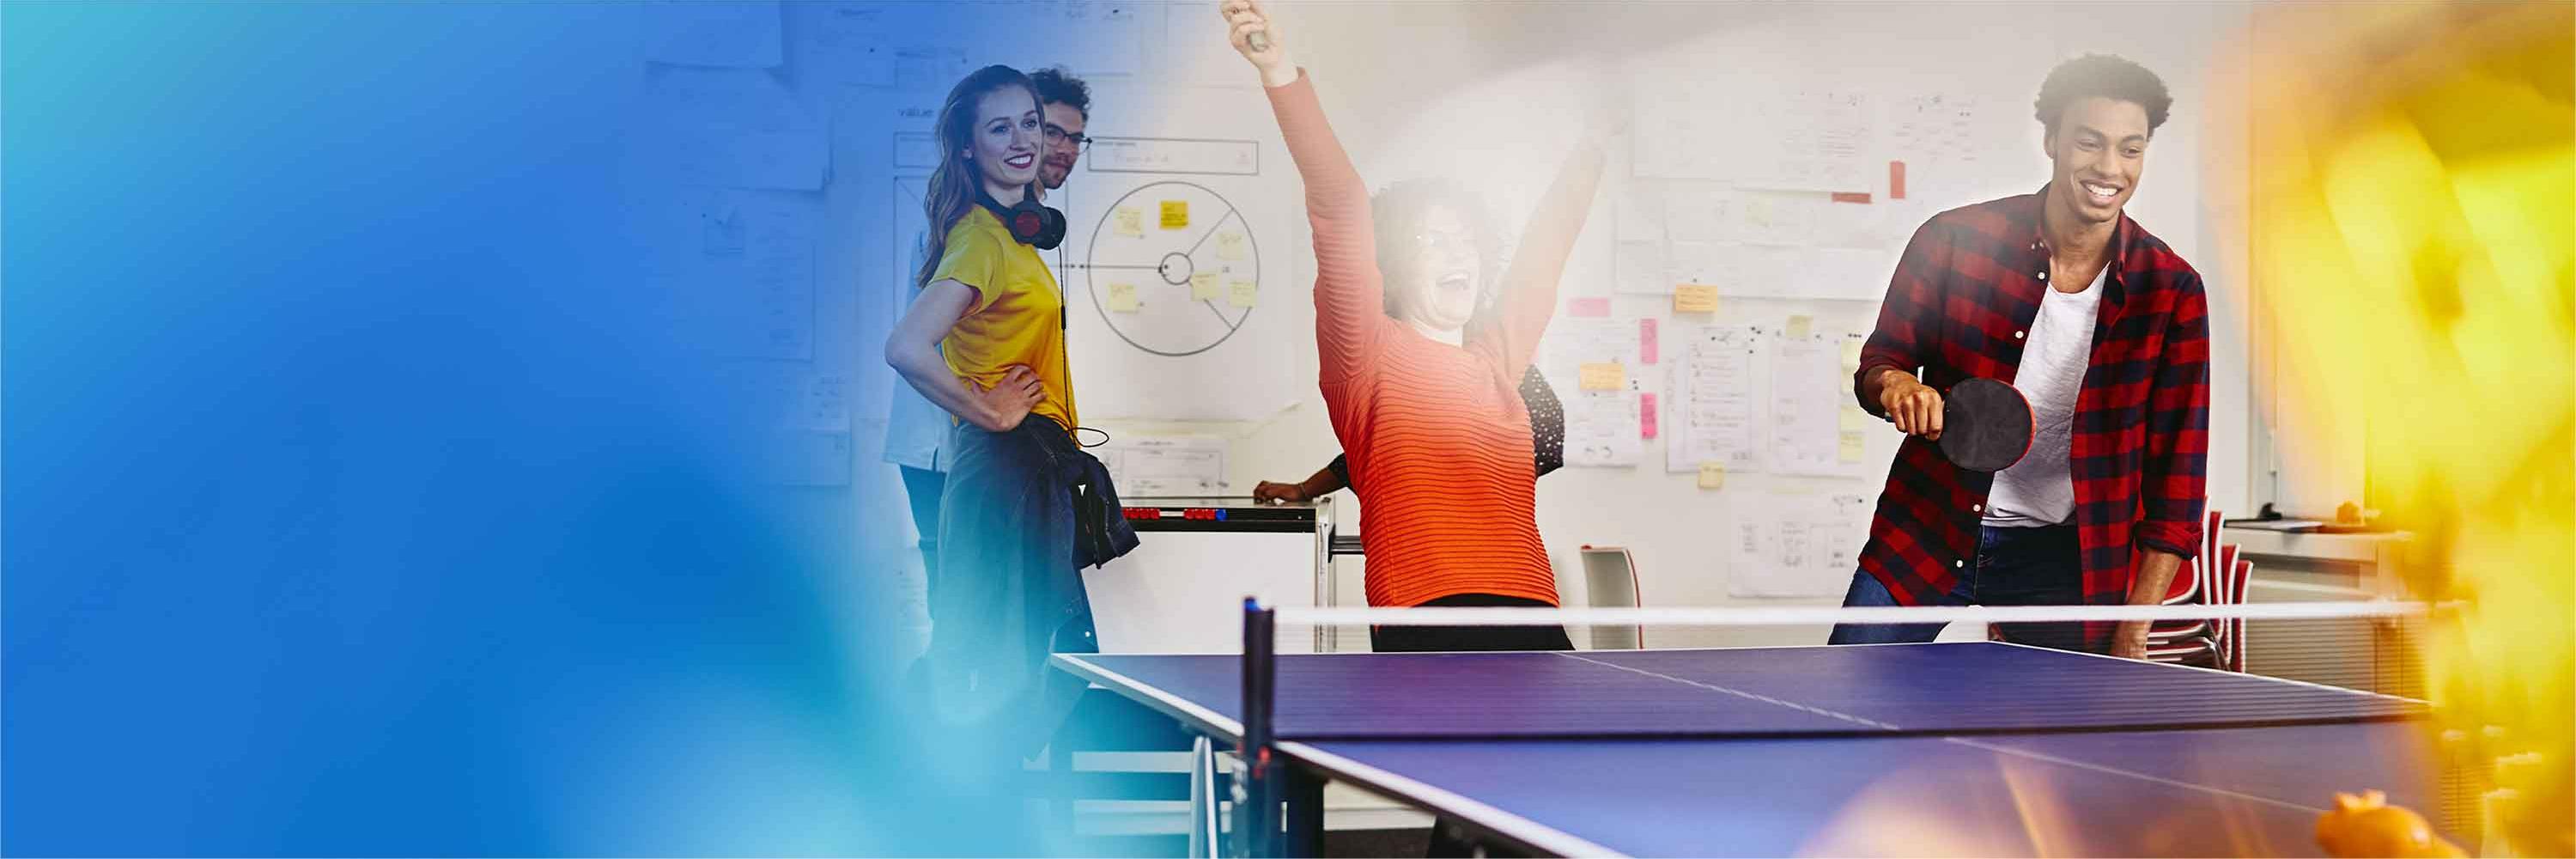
<point>1985,425</point>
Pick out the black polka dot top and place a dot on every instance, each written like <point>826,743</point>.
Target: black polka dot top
<point>1547,428</point>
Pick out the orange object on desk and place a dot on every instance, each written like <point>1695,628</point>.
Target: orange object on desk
<point>2367,825</point>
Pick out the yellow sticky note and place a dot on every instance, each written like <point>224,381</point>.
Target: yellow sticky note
<point>1176,214</point>
<point>1854,419</point>
<point>1851,353</point>
<point>1122,298</point>
<point>1131,221</point>
<point>1694,298</point>
<point>1801,326</point>
<point>1203,286</point>
<point>1229,246</point>
<point>1854,444</point>
<point>1605,376</point>
<point>1242,293</point>
<point>1712,475</point>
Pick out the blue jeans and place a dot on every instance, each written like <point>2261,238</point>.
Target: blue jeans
<point>925,488</point>
<point>2015,566</point>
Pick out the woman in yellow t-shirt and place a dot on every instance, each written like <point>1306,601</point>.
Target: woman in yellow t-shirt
<point>985,341</point>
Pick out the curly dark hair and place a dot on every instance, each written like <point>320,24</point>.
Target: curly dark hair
<point>1056,86</point>
<point>1398,211</point>
<point>2106,76</point>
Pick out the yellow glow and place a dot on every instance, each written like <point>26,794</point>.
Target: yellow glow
<point>2412,190</point>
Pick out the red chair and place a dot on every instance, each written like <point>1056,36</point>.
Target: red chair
<point>2198,651</point>
<point>2201,580</point>
<point>2242,573</point>
<point>2190,585</point>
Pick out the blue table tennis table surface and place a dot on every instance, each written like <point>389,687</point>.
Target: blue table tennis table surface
<point>1974,748</point>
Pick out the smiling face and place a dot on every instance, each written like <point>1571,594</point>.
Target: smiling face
<point>1063,143</point>
<point>1005,139</point>
<point>2098,150</point>
<point>1443,271</point>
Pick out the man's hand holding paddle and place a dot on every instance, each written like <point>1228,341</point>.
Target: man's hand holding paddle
<point>1981,425</point>
<point>1914,406</point>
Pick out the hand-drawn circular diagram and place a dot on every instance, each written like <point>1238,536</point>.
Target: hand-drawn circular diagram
<point>1173,268</point>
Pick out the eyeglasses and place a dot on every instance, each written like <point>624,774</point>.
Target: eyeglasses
<point>1056,136</point>
<point>1445,241</point>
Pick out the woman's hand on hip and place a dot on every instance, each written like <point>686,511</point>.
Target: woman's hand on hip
<point>1009,400</point>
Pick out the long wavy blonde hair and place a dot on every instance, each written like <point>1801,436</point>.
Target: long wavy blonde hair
<point>954,186</point>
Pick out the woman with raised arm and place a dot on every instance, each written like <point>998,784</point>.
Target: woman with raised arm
<point>1423,388</point>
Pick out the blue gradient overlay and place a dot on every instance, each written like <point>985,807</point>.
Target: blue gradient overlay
<point>361,497</point>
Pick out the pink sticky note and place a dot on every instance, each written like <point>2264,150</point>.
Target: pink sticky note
<point>1646,414</point>
<point>1587,307</point>
<point>1646,343</point>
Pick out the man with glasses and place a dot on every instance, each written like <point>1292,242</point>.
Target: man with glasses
<point>915,429</point>
<point>1066,101</point>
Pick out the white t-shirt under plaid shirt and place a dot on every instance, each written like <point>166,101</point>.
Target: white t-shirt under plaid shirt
<point>2038,491</point>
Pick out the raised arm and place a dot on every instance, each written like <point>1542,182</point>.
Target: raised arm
<point>1349,303</point>
<point>1538,264</point>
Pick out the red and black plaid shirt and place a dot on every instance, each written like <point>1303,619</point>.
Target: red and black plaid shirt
<point>1959,306</point>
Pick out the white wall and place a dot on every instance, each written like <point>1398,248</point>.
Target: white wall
<point>1420,88</point>
<point>1664,519</point>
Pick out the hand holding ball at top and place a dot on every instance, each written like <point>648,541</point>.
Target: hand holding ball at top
<point>1252,33</point>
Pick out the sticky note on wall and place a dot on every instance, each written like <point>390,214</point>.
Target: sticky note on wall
<point>1646,342</point>
<point>1712,475</point>
<point>1694,298</point>
<point>1203,287</point>
<point>1647,417</point>
<point>1604,376</point>
<point>1801,326</point>
<point>1854,444</point>
<point>1176,214</point>
<point>1130,221</point>
<point>1242,293</point>
<point>1229,246</point>
<point>1122,298</point>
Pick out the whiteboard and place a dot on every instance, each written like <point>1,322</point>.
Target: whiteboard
<point>1187,211</point>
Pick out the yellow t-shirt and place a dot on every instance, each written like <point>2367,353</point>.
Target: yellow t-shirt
<point>1017,316</point>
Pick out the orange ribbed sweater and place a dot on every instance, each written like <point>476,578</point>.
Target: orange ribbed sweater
<point>1437,435</point>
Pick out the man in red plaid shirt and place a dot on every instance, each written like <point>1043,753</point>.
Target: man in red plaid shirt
<point>2106,332</point>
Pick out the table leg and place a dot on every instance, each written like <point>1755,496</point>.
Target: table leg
<point>1203,816</point>
<point>1059,787</point>
<point>1305,796</point>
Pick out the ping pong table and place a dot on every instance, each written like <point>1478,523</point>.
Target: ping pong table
<point>1972,748</point>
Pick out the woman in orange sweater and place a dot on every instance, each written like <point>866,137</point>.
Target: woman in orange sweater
<point>1422,388</point>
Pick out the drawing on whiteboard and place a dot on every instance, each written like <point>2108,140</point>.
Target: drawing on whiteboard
<point>1793,544</point>
<point>1174,155</point>
<point>747,270</point>
<point>1165,466</point>
<point>1188,255</point>
<point>1716,410</point>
